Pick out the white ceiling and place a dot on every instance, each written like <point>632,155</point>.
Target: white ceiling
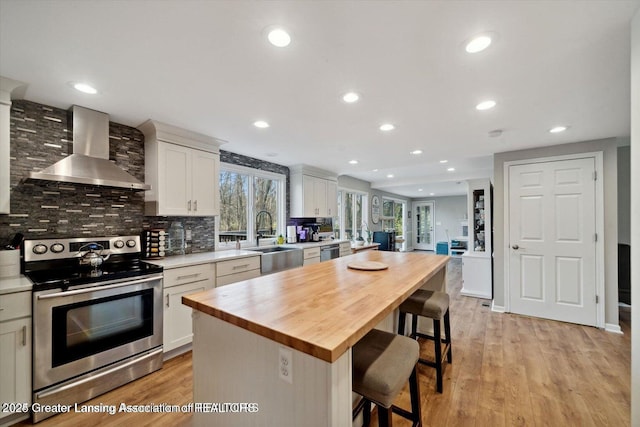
<point>206,66</point>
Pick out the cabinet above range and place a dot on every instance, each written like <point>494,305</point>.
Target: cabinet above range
<point>182,168</point>
<point>314,192</point>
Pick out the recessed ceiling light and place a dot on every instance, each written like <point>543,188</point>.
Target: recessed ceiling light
<point>261,124</point>
<point>416,152</point>
<point>485,105</point>
<point>419,189</point>
<point>451,169</point>
<point>353,162</point>
<point>444,161</point>
<point>558,129</point>
<point>390,175</point>
<point>387,127</point>
<point>375,170</point>
<point>279,37</point>
<point>85,88</point>
<point>478,44</point>
<point>432,194</point>
<point>350,97</point>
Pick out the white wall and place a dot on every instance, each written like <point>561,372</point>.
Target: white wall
<point>609,148</point>
<point>635,222</point>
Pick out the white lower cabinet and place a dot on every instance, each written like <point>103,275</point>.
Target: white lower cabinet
<point>15,355</point>
<point>178,282</point>
<point>237,270</point>
<point>345,248</point>
<point>476,276</point>
<point>311,256</point>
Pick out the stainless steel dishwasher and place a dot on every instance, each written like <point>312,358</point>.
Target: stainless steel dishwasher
<point>329,252</point>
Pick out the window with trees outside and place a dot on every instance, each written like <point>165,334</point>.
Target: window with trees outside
<point>251,203</point>
<point>352,208</point>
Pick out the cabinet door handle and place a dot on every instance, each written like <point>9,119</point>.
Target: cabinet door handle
<point>195,206</point>
<point>24,335</point>
<point>167,300</point>
<point>189,205</point>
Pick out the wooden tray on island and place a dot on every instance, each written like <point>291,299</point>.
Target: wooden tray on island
<point>367,265</point>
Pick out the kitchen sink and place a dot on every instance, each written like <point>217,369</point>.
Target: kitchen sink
<point>278,258</point>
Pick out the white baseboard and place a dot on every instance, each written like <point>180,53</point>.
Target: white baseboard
<point>610,327</point>
<point>474,294</point>
<point>496,308</point>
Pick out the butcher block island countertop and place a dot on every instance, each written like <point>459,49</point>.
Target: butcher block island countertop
<point>283,342</point>
<point>322,309</point>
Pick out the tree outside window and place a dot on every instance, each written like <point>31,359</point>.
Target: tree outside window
<point>243,193</point>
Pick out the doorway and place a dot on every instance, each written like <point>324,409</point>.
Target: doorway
<point>423,223</point>
<point>553,264</point>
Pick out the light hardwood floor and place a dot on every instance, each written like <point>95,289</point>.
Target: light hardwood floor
<point>507,370</point>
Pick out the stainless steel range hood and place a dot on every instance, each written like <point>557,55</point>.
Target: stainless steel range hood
<point>89,164</point>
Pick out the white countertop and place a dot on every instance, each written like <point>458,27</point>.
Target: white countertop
<point>176,261</point>
<point>19,283</point>
<point>201,258</point>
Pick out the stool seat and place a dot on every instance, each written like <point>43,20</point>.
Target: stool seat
<point>431,304</point>
<point>382,362</point>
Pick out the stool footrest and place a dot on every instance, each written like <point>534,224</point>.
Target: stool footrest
<point>406,414</point>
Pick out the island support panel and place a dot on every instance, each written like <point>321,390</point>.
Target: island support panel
<point>233,365</point>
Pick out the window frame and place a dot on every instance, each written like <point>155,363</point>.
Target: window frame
<point>280,217</point>
<point>342,191</point>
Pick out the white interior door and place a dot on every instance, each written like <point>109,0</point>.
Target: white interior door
<point>552,226</point>
<point>423,220</point>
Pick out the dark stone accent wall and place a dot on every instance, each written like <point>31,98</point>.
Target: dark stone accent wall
<point>250,162</point>
<point>42,135</point>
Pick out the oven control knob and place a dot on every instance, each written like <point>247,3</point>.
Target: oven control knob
<point>119,244</point>
<point>39,249</point>
<point>131,243</point>
<point>56,248</point>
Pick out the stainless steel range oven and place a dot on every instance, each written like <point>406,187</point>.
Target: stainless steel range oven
<point>97,317</point>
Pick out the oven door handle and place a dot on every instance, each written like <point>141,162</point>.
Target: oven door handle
<point>97,376</point>
<point>97,288</point>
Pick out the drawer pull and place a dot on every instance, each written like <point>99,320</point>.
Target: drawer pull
<point>167,300</point>
<point>187,276</point>
<point>238,267</point>
<point>24,336</point>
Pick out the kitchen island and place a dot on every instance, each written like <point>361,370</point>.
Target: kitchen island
<point>281,343</point>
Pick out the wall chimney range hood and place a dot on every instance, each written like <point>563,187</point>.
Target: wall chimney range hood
<point>89,164</point>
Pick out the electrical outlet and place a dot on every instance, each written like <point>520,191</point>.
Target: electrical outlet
<point>285,365</point>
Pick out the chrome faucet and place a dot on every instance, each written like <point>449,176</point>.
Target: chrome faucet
<point>258,234</point>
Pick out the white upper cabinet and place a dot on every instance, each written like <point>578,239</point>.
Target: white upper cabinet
<point>313,192</point>
<point>182,168</point>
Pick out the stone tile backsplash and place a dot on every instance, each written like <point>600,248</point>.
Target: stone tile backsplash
<point>42,135</point>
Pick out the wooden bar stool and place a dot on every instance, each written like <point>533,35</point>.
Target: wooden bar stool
<point>382,362</point>
<point>433,305</point>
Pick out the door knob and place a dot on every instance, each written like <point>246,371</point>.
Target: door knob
<point>516,247</point>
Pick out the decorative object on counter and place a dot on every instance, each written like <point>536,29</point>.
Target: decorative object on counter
<point>176,239</point>
<point>154,243</point>
<point>280,240</point>
<point>359,240</point>
<point>366,232</point>
<point>367,265</point>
